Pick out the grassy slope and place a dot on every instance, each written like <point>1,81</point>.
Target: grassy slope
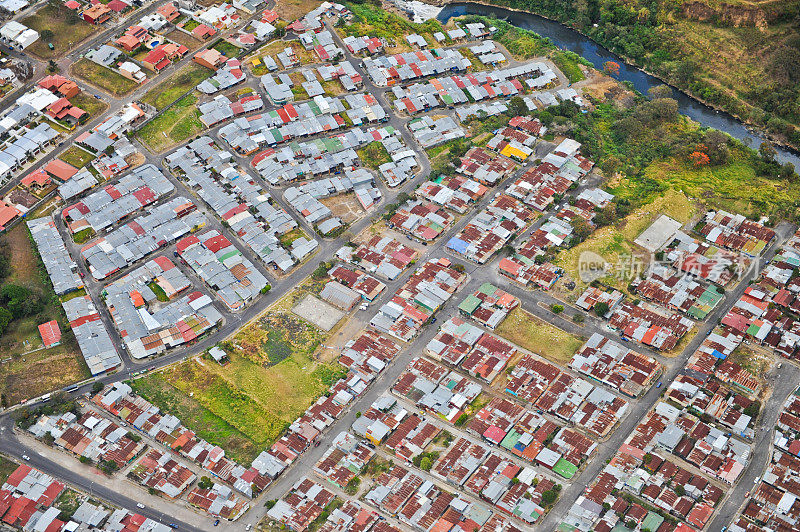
<point>747,70</point>
<point>537,336</point>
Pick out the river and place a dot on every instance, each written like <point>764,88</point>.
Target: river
<point>569,39</point>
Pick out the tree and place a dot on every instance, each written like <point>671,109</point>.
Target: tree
<point>517,106</point>
<point>611,68</point>
<point>556,309</point>
<point>699,159</point>
<point>46,35</point>
<point>5,319</point>
<point>660,91</point>
<point>601,308</point>
<point>97,387</point>
<point>425,464</point>
<point>680,490</point>
<point>52,66</point>
<point>205,483</point>
<point>549,497</point>
<point>767,152</point>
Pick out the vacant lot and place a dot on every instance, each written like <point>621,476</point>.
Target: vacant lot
<point>25,374</point>
<point>176,86</point>
<point>188,41</point>
<point>103,78</point>
<point>66,29</point>
<point>177,124</point>
<point>540,337</point>
<point>77,157</point>
<point>614,243</point>
<point>292,9</point>
<point>89,103</point>
<point>344,206</point>
<point>245,405</point>
<point>373,155</point>
<point>6,468</point>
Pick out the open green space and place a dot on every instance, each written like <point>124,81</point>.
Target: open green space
<point>546,340</point>
<point>89,103</point>
<point>175,125</point>
<point>271,378</point>
<point>6,468</point>
<point>372,20</point>
<point>27,300</point>
<point>103,78</point>
<point>58,25</point>
<point>373,155</point>
<point>77,157</point>
<point>176,86</point>
<point>227,49</point>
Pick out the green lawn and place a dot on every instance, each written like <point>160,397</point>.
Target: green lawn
<point>66,27</point>
<point>77,157</point>
<point>227,49</point>
<point>83,235</point>
<point>176,86</point>
<point>177,124</point>
<point>103,78</point>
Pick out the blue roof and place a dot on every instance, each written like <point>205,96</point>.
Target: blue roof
<point>457,245</point>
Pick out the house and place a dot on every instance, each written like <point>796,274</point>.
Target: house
<point>38,180</point>
<point>132,71</point>
<point>18,35</point>
<point>97,14</point>
<point>60,170</point>
<point>209,58</point>
<point>169,11</point>
<point>161,56</point>
<point>51,333</point>
<point>204,32</point>
<point>60,85</point>
<point>7,214</point>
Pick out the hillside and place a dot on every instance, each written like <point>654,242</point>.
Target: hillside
<point>742,56</point>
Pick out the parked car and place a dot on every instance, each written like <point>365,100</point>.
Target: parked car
<point>139,505</point>
<point>26,457</point>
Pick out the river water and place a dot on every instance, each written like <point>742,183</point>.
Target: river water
<point>569,39</point>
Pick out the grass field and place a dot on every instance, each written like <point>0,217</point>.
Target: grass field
<point>6,468</point>
<point>177,124</point>
<point>66,27</point>
<point>77,157</point>
<point>23,374</point>
<point>227,49</point>
<point>615,242</point>
<point>176,86</point>
<point>89,103</point>
<point>373,155</point>
<point>103,78</point>
<point>528,331</point>
<point>272,377</point>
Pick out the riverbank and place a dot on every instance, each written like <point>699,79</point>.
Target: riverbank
<point>579,42</point>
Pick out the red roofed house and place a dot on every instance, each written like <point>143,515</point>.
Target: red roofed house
<point>51,334</point>
<point>169,11</point>
<point>97,14</point>
<point>117,6</point>
<point>72,4</point>
<point>204,31</point>
<point>156,59</point>
<point>58,84</point>
<point>38,179</point>
<point>209,58</point>
<point>7,214</point>
<point>60,170</point>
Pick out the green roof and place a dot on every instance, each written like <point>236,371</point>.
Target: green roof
<point>652,521</point>
<point>565,469</point>
<point>487,288</point>
<point>511,439</point>
<point>469,304</point>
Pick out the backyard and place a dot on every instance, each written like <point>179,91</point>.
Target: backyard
<point>89,103</point>
<point>77,157</point>
<point>26,370</point>
<point>176,86</point>
<point>58,25</point>
<point>175,125</point>
<point>103,78</point>
<point>535,335</point>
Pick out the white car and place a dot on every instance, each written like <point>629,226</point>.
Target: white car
<point>139,505</point>
<point>26,457</point>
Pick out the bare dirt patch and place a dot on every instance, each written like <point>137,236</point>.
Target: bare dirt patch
<point>345,206</point>
<point>318,312</point>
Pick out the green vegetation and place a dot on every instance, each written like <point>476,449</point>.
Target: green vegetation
<point>6,468</point>
<point>62,27</point>
<point>176,86</point>
<point>175,125</point>
<point>83,235</point>
<point>741,56</point>
<point>103,78</point>
<point>227,49</point>
<point>568,63</point>
<point>59,403</point>
<point>270,379</point>
<point>161,295</point>
<point>77,157</point>
<point>287,239</point>
<point>27,300</point>
<point>373,155</point>
<point>68,502</point>
<point>369,19</point>
<point>89,103</point>
<point>537,336</point>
